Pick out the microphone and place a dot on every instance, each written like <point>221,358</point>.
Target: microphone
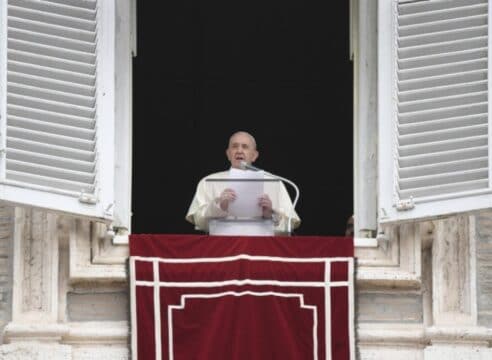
<point>246,166</point>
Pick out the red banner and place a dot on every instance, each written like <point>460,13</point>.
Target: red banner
<point>211,297</point>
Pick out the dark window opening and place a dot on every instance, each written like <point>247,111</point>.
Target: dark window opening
<point>278,69</point>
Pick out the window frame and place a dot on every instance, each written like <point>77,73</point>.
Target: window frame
<point>113,126</point>
<point>418,209</point>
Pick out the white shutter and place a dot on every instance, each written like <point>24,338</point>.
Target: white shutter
<point>57,105</point>
<point>434,126</point>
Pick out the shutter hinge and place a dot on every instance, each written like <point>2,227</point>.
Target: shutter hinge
<point>405,204</point>
<point>87,198</point>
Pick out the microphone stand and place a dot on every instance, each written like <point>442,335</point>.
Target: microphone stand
<point>245,165</point>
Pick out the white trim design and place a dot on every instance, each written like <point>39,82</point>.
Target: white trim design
<point>239,257</point>
<point>326,283</point>
<point>157,311</point>
<point>328,307</point>
<point>182,305</point>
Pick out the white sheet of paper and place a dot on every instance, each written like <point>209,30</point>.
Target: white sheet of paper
<point>247,193</point>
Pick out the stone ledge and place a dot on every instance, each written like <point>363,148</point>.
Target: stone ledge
<point>34,331</point>
<point>371,277</point>
<point>405,335</point>
<point>390,335</point>
<point>480,336</point>
<point>94,332</point>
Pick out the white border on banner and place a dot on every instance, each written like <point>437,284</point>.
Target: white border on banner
<point>170,308</point>
<point>327,284</point>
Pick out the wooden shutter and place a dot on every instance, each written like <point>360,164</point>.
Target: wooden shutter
<point>433,108</point>
<point>57,123</point>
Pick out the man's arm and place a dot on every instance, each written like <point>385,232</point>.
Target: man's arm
<point>204,206</point>
<point>285,208</point>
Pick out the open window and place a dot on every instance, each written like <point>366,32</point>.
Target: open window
<point>60,138</point>
<point>433,118</point>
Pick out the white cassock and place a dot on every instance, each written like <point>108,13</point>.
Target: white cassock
<point>205,207</point>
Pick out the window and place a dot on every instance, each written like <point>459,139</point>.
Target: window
<point>57,103</point>
<point>433,119</point>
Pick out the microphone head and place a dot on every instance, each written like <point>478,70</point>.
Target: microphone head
<point>244,165</point>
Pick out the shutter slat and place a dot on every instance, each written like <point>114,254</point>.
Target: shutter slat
<point>442,135</point>
<point>443,47</point>
<point>443,156</point>
<point>50,62</point>
<point>51,139</point>
<point>52,51</point>
<point>47,149</point>
<point>51,40</point>
<point>49,182</point>
<point>438,146</point>
<point>444,189</point>
<point>442,69</point>
<point>53,8</point>
<point>85,4</point>
<point>443,178</point>
<point>52,117</point>
<point>444,167</point>
<point>436,114</point>
<point>51,73</point>
<point>50,171</point>
<point>442,80</point>
<point>48,160</point>
<point>442,102</point>
<point>443,124</point>
<point>50,95</point>
<point>446,13</point>
<point>444,58</point>
<point>445,25</point>
<point>52,106</point>
<point>448,35</point>
<point>55,19</point>
<point>425,6</point>
<point>51,29</point>
<point>36,125</point>
<point>51,84</point>
<point>442,91</point>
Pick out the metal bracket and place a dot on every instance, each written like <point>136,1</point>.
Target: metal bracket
<point>87,198</point>
<point>119,235</point>
<point>405,204</point>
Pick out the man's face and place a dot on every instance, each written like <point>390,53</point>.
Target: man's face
<point>241,148</point>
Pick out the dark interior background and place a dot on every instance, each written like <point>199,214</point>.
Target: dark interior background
<point>279,69</point>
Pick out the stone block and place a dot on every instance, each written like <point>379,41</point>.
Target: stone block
<point>104,306</point>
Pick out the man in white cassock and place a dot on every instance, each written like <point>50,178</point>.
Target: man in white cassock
<point>211,201</point>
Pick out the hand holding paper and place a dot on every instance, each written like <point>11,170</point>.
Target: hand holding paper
<point>247,193</point>
<point>266,205</point>
<point>226,197</point>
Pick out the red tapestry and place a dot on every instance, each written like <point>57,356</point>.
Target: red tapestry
<point>214,297</point>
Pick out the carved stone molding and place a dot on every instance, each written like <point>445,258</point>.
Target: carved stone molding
<point>35,351</point>
<point>452,269</point>
<point>35,259</point>
<point>104,251</point>
<point>92,256</point>
<point>396,262</point>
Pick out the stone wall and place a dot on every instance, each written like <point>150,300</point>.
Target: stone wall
<point>484,268</point>
<point>6,233</point>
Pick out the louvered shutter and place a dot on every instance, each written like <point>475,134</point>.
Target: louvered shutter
<point>434,126</point>
<point>57,105</point>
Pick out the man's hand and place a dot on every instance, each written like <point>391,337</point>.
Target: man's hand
<point>226,197</point>
<point>266,205</point>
